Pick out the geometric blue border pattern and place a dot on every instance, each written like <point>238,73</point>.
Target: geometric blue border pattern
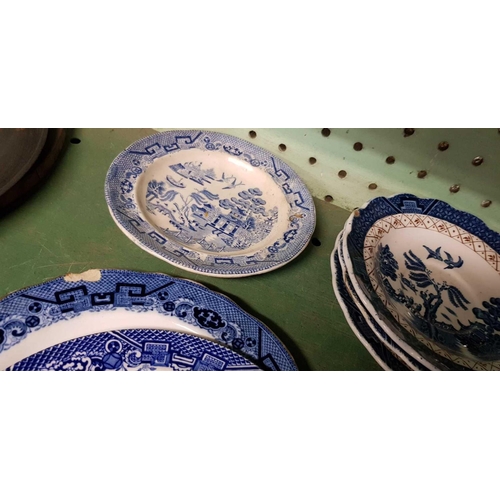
<point>136,350</point>
<point>34,308</point>
<point>381,207</point>
<point>132,162</point>
<point>408,203</point>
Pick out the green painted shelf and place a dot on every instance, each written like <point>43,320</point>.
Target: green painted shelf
<point>66,227</point>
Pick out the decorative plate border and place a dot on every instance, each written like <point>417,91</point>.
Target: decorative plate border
<point>380,353</point>
<point>418,364</point>
<point>356,230</point>
<point>133,161</point>
<point>31,309</point>
<point>135,350</point>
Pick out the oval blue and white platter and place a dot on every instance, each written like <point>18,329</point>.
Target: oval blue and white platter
<point>210,203</point>
<point>37,318</point>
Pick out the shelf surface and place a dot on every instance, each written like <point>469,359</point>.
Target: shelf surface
<point>66,227</point>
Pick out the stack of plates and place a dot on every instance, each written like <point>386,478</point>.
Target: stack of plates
<point>125,320</point>
<point>419,284</point>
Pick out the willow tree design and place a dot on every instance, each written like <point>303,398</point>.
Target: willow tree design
<point>477,338</point>
<point>212,221</point>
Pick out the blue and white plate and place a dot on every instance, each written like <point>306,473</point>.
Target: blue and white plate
<point>418,364</point>
<point>432,273</point>
<point>135,350</point>
<point>37,318</point>
<point>210,203</point>
<point>382,355</point>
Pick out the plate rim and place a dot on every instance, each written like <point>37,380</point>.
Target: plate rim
<point>333,257</point>
<point>306,232</point>
<point>205,290</point>
<point>401,352</point>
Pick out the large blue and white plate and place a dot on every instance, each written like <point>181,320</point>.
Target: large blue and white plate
<point>74,306</point>
<point>432,273</point>
<point>418,364</point>
<point>210,203</point>
<point>136,350</point>
<point>382,355</point>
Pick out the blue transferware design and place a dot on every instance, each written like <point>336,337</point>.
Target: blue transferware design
<point>236,222</point>
<point>384,339</point>
<point>209,219</point>
<point>135,350</point>
<point>450,263</point>
<point>384,357</point>
<point>33,309</point>
<point>381,207</point>
<point>477,337</point>
<point>483,342</point>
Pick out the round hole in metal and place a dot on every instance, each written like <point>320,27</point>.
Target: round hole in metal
<point>328,198</point>
<point>252,134</point>
<point>390,160</point>
<point>372,186</point>
<point>342,174</point>
<point>75,140</point>
<point>421,174</point>
<point>408,131</point>
<point>486,203</point>
<point>312,160</point>
<point>282,147</point>
<point>358,146</point>
<point>455,188</point>
<point>325,132</point>
<point>443,146</point>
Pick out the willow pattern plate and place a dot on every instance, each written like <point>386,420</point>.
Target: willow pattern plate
<point>433,274</point>
<point>210,203</point>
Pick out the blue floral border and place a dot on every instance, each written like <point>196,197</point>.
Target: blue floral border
<point>129,164</point>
